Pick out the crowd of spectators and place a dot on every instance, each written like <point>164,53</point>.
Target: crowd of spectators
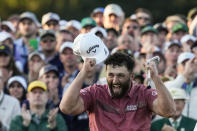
<point>37,64</point>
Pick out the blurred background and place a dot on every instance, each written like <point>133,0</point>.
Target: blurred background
<point>77,9</point>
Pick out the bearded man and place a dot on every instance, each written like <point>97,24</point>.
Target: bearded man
<point>119,105</point>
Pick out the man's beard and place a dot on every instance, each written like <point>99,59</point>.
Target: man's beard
<point>28,34</point>
<point>49,51</point>
<point>123,87</point>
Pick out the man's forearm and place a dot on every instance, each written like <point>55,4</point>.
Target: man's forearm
<point>166,106</point>
<point>71,96</point>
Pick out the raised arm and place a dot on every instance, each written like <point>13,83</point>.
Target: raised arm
<point>163,104</point>
<point>71,102</point>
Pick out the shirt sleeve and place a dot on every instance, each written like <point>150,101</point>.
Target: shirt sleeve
<point>17,124</point>
<point>88,96</point>
<point>17,109</point>
<point>150,95</point>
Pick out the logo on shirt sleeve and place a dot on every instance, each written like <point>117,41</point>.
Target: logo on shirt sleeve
<point>154,93</point>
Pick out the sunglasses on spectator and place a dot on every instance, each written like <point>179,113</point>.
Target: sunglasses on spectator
<point>50,23</point>
<point>27,22</point>
<point>48,40</point>
<point>134,27</point>
<point>145,18</point>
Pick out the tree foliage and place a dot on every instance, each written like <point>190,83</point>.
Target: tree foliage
<point>77,9</point>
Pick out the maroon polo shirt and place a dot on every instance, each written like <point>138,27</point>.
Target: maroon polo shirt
<point>132,112</point>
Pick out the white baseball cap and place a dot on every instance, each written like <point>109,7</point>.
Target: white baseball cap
<point>50,16</point>
<point>113,9</point>
<point>9,25</point>
<point>31,16</point>
<point>187,37</point>
<point>66,45</point>
<point>4,36</point>
<point>99,29</point>
<point>171,43</point>
<point>184,56</point>
<point>63,24</point>
<point>74,23</point>
<point>177,93</point>
<point>19,79</point>
<point>133,17</point>
<point>90,46</point>
<point>41,55</point>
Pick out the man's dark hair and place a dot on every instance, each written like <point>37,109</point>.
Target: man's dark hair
<point>120,59</point>
<point>112,30</point>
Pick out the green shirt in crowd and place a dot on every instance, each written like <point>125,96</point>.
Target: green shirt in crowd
<point>186,124</point>
<point>38,124</point>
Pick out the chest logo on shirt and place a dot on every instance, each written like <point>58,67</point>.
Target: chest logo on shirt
<point>135,107</point>
<point>131,107</point>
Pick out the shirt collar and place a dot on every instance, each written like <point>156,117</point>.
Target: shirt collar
<point>1,95</point>
<point>178,120</point>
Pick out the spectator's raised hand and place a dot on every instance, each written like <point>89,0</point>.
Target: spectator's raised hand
<point>36,67</point>
<point>65,79</point>
<point>52,118</point>
<point>26,115</point>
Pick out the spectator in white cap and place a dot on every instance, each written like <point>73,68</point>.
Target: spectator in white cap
<point>17,87</point>
<point>7,39</point>
<point>144,17</point>
<point>63,24</point>
<point>186,79</point>
<point>64,35</point>
<point>113,16</point>
<point>100,32</point>
<point>187,41</point>
<point>36,61</point>
<point>70,64</point>
<point>14,19</point>
<point>172,49</point>
<point>28,29</point>
<point>178,122</point>
<point>7,26</point>
<point>186,68</point>
<point>51,21</point>
<point>74,26</point>
<point>97,15</point>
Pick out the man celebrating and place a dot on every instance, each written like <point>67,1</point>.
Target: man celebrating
<point>120,105</point>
